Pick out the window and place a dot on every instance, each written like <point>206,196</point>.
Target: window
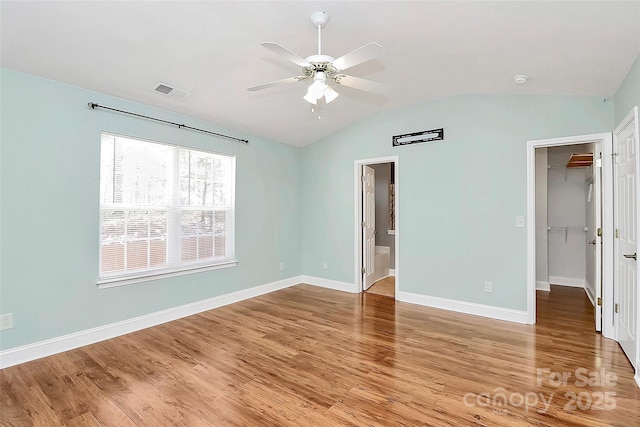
<point>163,209</point>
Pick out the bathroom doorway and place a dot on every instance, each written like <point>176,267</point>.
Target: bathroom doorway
<point>377,226</point>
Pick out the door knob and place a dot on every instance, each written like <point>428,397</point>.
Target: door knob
<point>632,256</point>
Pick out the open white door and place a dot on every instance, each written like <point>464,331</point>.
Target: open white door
<point>594,233</point>
<point>368,226</point>
<point>625,145</point>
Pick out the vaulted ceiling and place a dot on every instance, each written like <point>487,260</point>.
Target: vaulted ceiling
<point>433,49</point>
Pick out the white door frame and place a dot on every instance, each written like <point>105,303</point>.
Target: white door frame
<point>607,223</point>
<point>357,195</point>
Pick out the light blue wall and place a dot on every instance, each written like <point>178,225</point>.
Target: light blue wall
<point>458,197</point>
<point>50,152</point>
<point>458,201</point>
<point>628,95</point>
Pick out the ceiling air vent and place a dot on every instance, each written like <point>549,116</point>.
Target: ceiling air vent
<point>173,92</point>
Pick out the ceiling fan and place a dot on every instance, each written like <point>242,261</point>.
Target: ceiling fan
<point>322,68</point>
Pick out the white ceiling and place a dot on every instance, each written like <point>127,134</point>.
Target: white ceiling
<point>212,49</point>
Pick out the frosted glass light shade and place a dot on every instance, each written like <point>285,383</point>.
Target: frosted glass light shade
<point>318,89</point>
<point>330,94</point>
<point>315,91</point>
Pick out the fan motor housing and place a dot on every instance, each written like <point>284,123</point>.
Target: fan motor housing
<point>320,63</point>
<point>313,59</point>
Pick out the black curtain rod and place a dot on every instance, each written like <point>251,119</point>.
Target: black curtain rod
<point>93,106</point>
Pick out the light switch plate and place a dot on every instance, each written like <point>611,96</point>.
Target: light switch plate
<point>488,286</point>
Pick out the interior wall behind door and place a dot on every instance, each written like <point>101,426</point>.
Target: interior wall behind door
<point>566,216</point>
<point>383,238</point>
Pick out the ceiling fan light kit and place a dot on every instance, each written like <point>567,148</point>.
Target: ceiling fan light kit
<point>321,67</point>
<point>320,88</point>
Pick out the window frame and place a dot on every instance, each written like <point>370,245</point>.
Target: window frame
<point>173,210</point>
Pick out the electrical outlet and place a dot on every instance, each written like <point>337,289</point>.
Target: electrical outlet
<point>325,265</point>
<point>6,321</point>
<point>488,287</point>
<point>281,266</point>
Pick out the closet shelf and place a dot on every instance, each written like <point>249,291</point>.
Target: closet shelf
<point>580,160</point>
<point>575,161</point>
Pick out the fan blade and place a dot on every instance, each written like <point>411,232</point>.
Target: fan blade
<point>358,56</point>
<point>362,84</point>
<point>275,47</point>
<point>276,83</point>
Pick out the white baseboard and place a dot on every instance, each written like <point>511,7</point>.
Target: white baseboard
<point>587,290</point>
<point>499,313</point>
<point>392,272</point>
<point>329,284</point>
<point>26,353</point>
<point>543,286</point>
<point>567,281</point>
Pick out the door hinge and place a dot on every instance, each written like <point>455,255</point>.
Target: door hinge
<point>616,157</point>
<point>616,308</point>
<point>598,163</point>
<point>599,232</point>
<point>362,224</point>
<point>617,233</point>
<point>363,270</point>
<point>362,178</point>
<point>599,301</point>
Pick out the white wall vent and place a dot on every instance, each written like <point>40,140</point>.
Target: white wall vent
<point>171,91</point>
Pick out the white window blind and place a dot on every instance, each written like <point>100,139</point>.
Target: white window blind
<point>163,208</point>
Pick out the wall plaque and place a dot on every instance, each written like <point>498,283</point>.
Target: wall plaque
<point>415,137</point>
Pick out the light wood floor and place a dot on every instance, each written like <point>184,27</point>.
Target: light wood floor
<point>386,287</point>
<point>307,356</point>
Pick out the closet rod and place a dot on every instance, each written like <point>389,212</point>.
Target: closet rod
<point>565,167</point>
<point>566,229</point>
<point>93,106</point>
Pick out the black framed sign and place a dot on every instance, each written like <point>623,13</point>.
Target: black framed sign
<point>416,137</point>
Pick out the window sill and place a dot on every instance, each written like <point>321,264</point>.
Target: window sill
<point>123,281</point>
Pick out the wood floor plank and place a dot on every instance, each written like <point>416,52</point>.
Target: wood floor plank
<point>385,287</point>
<point>308,356</point>
<point>85,420</point>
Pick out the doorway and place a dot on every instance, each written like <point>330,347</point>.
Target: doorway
<point>602,291</point>
<point>376,193</point>
<point>568,221</point>
<point>557,231</point>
